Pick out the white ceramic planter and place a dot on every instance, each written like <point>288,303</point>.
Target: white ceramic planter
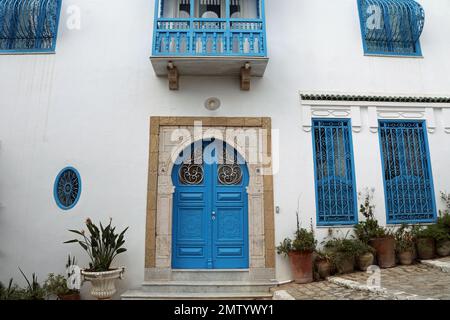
<point>103,283</point>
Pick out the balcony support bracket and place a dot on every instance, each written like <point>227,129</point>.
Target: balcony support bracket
<point>173,76</point>
<point>246,77</point>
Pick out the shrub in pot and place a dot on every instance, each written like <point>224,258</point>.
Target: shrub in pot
<point>371,233</point>
<point>300,252</point>
<point>425,243</point>
<point>404,245</point>
<point>442,235</point>
<point>343,254</point>
<point>102,246</point>
<point>323,264</point>
<point>57,285</point>
<point>441,238</point>
<point>365,255</point>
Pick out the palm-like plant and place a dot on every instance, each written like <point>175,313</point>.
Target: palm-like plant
<point>102,244</point>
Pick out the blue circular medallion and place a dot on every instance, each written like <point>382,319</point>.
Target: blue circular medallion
<point>67,189</point>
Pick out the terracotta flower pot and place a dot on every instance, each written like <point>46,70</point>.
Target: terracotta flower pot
<point>301,266</point>
<point>406,257</point>
<point>74,296</point>
<point>365,261</point>
<point>385,248</point>
<point>426,248</point>
<point>324,268</point>
<point>345,265</point>
<point>443,248</point>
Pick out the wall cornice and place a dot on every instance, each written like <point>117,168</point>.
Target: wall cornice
<point>378,107</point>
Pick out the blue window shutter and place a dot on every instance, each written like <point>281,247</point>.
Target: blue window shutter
<point>408,181</point>
<point>29,25</point>
<point>334,172</point>
<point>391,27</point>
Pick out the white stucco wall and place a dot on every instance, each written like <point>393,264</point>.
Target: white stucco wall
<point>89,106</point>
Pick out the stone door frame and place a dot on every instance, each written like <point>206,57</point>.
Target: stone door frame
<point>160,192</point>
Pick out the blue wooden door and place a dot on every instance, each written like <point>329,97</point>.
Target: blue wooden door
<point>210,209</point>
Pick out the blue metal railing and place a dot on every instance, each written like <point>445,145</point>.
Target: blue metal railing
<point>209,37</point>
<point>28,25</point>
<point>408,180</point>
<point>334,172</point>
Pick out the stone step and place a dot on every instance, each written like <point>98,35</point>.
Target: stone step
<point>144,295</point>
<point>208,287</point>
<point>210,275</point>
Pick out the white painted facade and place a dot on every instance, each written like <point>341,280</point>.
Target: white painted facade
<point>89,105</point>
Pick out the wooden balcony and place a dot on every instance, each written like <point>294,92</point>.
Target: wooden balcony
<point>230,46</point>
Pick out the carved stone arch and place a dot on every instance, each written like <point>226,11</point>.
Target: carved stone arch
<point>170,162</point>
<point>164,147</point>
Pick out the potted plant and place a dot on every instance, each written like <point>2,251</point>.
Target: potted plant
<point>323,264</point>
<point>442,239</point>
<point>102,246</point>
<point>64,288</point>
<point>442,235</point>
<point>365,254</point>
<point>404,245</point>
<point>57,285</point>
<point>371,233</point>
<point>343,252</point>
<point>33,290</point>
<point>300,251</point>
<point>425,243</point>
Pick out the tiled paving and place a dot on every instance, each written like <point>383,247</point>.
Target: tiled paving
<point>325,290</point>
<point>423,282</point>
<point>417,279</point>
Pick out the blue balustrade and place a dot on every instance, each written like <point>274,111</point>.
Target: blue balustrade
<point>195,36</point>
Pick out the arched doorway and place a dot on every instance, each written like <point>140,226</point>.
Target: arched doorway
<point>210,208</point>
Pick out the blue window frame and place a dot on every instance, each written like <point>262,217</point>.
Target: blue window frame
<point>391,27</point>
<point>67,188</point>
<point>29,26</point>
<point>408,180</point>
<point>334,172</point>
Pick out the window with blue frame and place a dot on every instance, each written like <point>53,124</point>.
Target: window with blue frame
<point>334,172</point>
<point>67,188</point>
<point>408,180</point>
<point>28,25</point>
<point>391,27</point>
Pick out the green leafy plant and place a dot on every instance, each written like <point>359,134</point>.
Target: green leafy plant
<point>304,241</point>
<point>57,285</point>
<point>102,244</point>
<point>340,249</point>
<point>33,291</point>
<point>70,272</point>
<point>404,239</point>
<point>321,255</point>
<point>437,232</point>
<point>10,292</point>
<point>444,215</point>
<point>369,228</point>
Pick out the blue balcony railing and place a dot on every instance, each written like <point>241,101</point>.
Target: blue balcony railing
<point>196,36</point>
